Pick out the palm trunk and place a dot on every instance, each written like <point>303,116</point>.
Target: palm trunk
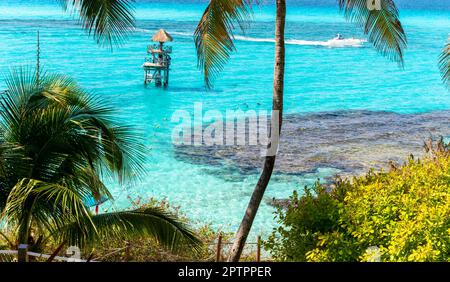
<point>24,228</point>
<point>277,118</point>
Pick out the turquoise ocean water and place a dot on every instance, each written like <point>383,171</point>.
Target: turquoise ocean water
<point>319,78</point>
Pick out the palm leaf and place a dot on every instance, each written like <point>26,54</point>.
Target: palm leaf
<point>7,239</point>
<point>155,222</point>
<point>214,34</point>
<point>383,26</point>
<point>121,147</point>
<point>88,178</point>
<point>7,257</point>
<point>58,123</point>
<point>110,21</point>
<point>57,195</point>
<point>21,84</point>
<point>56,143</point>
<point>444,64</point>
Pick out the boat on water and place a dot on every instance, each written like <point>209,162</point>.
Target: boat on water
<point>340,41</point>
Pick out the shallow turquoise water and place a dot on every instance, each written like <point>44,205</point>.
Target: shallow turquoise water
<point>318,79</point>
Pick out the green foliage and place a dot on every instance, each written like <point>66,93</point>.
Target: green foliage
<point>110,21</point>
<point>148,249</point>
<point>214,34</point>
<point>58,143</point>
<point>402,214</point>
<point>383,26</point>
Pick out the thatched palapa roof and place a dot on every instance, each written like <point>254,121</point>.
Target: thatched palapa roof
<point>162,36</point>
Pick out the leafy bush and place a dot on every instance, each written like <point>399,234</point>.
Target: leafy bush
<point>147,249</point>
<point>400,215</point>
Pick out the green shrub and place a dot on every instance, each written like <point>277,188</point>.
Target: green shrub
<point>400,215</point>
<point>147,249</point>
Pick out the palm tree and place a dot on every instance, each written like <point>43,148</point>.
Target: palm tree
<point>214,42</point>
<point>58,143</point>
<point>444,64</point>
<point>111,20</point>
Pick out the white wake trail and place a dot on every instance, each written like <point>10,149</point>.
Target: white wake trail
<point>332,43</point>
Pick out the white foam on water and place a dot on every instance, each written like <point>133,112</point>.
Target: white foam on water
<point>332,43</point>
<point>254,39</point>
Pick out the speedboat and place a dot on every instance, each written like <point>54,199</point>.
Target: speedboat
<point>338,37</point>
<point>341,41</point>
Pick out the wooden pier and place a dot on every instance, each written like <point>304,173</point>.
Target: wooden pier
<point>157,63</point>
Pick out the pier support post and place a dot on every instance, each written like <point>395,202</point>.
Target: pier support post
<point>167,79</point>
<point>158,78</point>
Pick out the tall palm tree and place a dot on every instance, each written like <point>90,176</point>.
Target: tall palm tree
<point>444,64</point>
<point>110,20</point>
<point>57,145</point>
<point>214,42</point>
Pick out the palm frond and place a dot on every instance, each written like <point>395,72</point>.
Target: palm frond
<point>7,258</point>
<point>110,21</point>
<point>57,195</point>
<point>66,129</point>
<point>155,222</point>
<point>383,26</point>
<point>122,149</point>
<point>6,239</point>
<point>21,85</point>
<point>444,64</point>
<point>214,34</point>
<point>56,143</point>
<point>47,205</point>
<point>89,179</point>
